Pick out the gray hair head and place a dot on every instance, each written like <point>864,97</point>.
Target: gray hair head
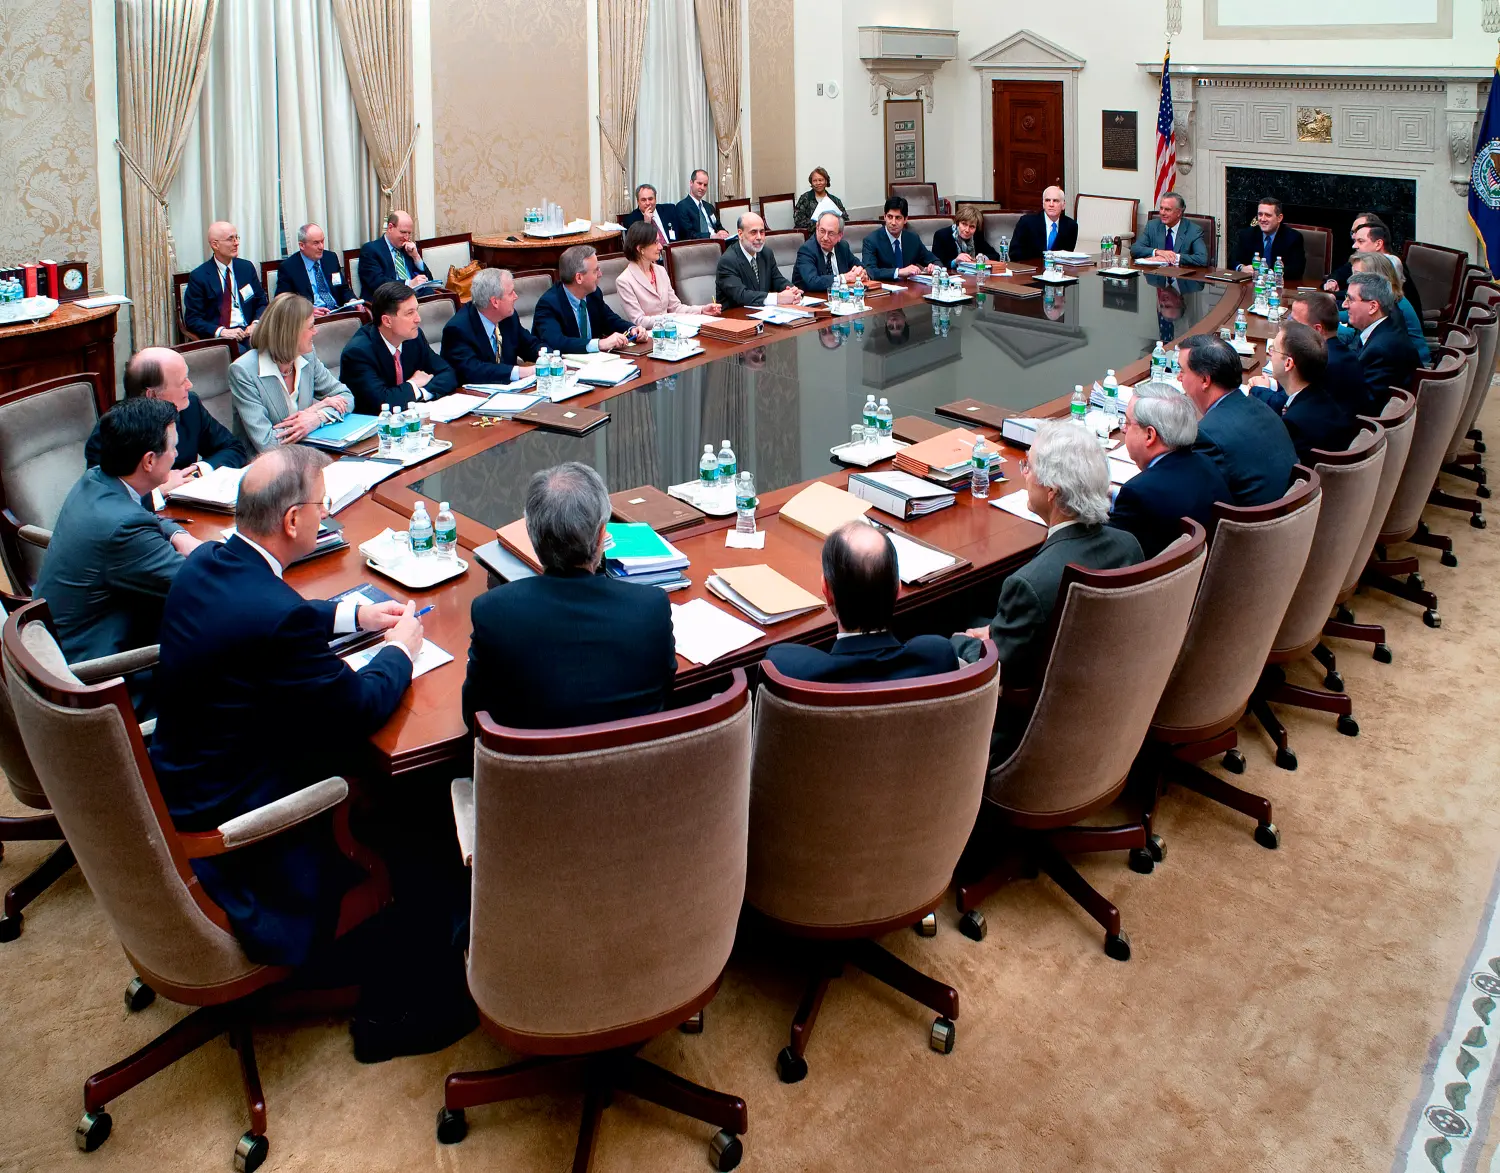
<point>302,233</point>
<point>565,506</point>
<point>487,284</point>
<point>640,187</point>
<point>1374,287</point>
<point>267,493</point>
<point>1181,203</point>
<point>573,262</point>
<point>1169,411</point>
<point>1066,458</point>
<point>835,215</point>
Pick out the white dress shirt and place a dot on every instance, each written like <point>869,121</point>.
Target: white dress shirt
<point>1364,335</point>
<point>269,366</point>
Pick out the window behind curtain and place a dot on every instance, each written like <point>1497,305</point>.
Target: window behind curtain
<point>674,129</point>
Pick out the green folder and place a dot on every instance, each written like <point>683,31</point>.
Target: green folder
<point>634,539</point>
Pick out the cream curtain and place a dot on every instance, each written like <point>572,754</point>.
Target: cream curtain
<point>622,47</point>
<point>719,30</point>
<point>376,37</point>
<point>674,129</point>
<point>163,50</point>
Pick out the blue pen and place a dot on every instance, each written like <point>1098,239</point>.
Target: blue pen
<point>424,610</point>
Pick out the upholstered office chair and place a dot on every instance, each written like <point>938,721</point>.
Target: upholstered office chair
<point>1481,291</point>
<point>441,253</point>
<point>1035,799</point>
<point>610,269</point>
<point>1483,323</point>
<point>778,211</point>
<point>862,797</point>
<point>1441,393</point>
<point>921,198</point>
<point>530,285</point>
<point>1255,561</point>
<point>92,766</point>
<point>692,265</point>
<point>43,430</point>
<point>927,227</point>
<point>333,334</point>
<point>1399,421</point>
<point>609,869</point>
<point>208,363</point>
<point>179,295</point>
<point>1350,480</point>
<point>1474,275</point>
<point>729,213</point>
<point>783,246</point>
<point>1317,245</point>
<point>436,309</point>
<point>1439,276</point>
<point>1462,339</point>
<point>1100,216</point>
<point>1000,224</point>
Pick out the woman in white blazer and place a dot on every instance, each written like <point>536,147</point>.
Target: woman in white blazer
<point>643,285</point>
<point>282,391</point>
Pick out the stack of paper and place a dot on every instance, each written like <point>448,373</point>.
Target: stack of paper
<point>1121,467</point>
<point>451,407</point>
<point>820,509</point>
<point>431,656</point>
<point>637,553</point>
<point>703,633</point>
<point>1097,398</point>
<point>766,595</point>
<point>945,459</point>
<point>347,480</point>
<point>915,561</point>
<point>781,315</point>
<point>900,494</point>
<point>1070,256</point>
<point>219,490</point>
<point>607,374</point>
<point>504,404</point>
<point>1016,503</point>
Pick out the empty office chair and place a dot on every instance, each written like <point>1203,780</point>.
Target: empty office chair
<point>1484,324</point>
<point>1000,225</point>
<point>863,796</point>
<point>921,198</point>
<point>93,768</point>
<point>43,430</point>
<point>1317,243</point>
<point>269,272</point>
<point>1055,777</point>
<point>333,334</point>
<point>436,309</point>
<point>208,362</point>
<point>1438,274</point>
<point>778,211</point>
<point>729,213</point>
<point>1486,294</point>
<point>1255,561</point>
<point>1349,480</point>
<point>609,870</point>
<point>530,285</point>
<point>692,265</point>
<point>1399,421</point>
<point>1474,276</point>
<point>783,246</point>
<point>927,227</point>
<point>179,291</point>
<point>1101,216</point>
<point>441,253</point>
<point>610,269</point>
<point>1441,393</point>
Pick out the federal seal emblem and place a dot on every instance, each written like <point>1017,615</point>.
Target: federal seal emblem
<point>1486,176</point>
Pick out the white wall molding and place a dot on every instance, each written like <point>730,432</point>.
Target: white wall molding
<point>1026,56</point>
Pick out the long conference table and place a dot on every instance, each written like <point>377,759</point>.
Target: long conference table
<point>783,401</point>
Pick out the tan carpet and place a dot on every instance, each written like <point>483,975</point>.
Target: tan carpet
<point>1276,1015</point>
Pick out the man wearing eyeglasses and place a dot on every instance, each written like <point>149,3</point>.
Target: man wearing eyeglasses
<point>223,298</point>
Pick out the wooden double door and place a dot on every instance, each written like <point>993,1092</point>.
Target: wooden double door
<point>1028,141</point>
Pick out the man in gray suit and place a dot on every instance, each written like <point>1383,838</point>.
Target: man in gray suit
<point>1171,238</point>
<point>111,561</point>
<point>747,275</point>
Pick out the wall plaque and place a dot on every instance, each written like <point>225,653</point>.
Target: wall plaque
<point>1120,140</point>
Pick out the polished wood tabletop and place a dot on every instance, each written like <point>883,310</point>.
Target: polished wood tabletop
<point>428,726</point>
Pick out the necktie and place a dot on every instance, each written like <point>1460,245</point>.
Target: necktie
<point>396,358</point>
<point>708,228</point>
<point>1052,237</point>
<point>321,291</point>
<point>495,338</point>
<point>661,236</point>
<point>1170,235</point>
<point>583,322</point>
<point>226,304</point>
<point>832,268</point>
<point>401,271</point>
<point>896,249</point>
<point>1265,246</point>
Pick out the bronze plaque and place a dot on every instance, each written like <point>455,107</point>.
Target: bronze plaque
<point>1120,140</point>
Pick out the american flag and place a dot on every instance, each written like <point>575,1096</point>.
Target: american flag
<point>1166,135</point>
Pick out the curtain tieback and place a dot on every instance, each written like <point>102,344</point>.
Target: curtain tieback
<point>405,160</point>
<point>610,142</point>
<point>157,195</point>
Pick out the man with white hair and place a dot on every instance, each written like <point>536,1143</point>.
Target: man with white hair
<point>485,342</point>
<point>747,275</point>
<point>1161,426</point>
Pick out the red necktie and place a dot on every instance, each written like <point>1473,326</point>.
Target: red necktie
<point>226,303</point>
<point>396,357</point>
<point>660,235</point>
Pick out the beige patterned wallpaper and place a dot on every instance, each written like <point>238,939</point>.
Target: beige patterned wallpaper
<point>47,153</point>
<point>510,110</point>
<point>773,148</point>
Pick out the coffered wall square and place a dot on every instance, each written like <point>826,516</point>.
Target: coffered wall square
<point>1357,127</point>
<point>1273,124</point>
<point>1227,120</point>
<point>1413,130</point>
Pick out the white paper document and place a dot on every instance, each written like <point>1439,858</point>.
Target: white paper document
<point>104,299</point>
<point>346,481</point>
<point>693,319</point>
<point>431,656</point>
<point>452,407</point>
<point>1120,471</point>
<point>704,633</point>
<point>782,315</point>
<point>1016,503</point>
<point>220,489</point>
<point>915,561</point>
<point>734,540</point>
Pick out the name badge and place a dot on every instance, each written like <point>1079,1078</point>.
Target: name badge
<point>336,278</point>
<point>671,234</point>
<point>245,290</point>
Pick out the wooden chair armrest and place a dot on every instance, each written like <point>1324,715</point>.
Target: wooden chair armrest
<point>264,821</point>
<point>462,791</point>
<point>118,664</point>
<point>35,535</point>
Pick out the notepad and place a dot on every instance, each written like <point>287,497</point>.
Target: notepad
<point>820,508</point>
<point>1015,503</point>
<point>1121,471</point>
<point>431,656</point>
<point>703,633</point>
<point>452,407</point>
<point>219,490</point>
<point>504,404</point>
<point>347,480</point>
<point>781,315</point>
<point>915,561</point>
<point>766,595</point>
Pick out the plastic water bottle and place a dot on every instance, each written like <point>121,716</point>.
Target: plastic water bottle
<point>383,429</point>
<point>871,423</point>
<point>1280,274</point>
<point>708,468</point>
<point>1112,396</point>
<point>658,339</point>
<point>1240,325</point>
<point>979,479</point>
<point>670,339</point>
<point>1273,305</point>
<point>884,419</point>
<point>727,463</point>
<point>1269,372</point>
<point>1174,364</point>
<point>1258,265</point>
<point>1080,405</point>
<point>745,502</point>
<point>411,428</point>
<point>446,533</point>
<point>420,531</point>
<point>1158,361</point>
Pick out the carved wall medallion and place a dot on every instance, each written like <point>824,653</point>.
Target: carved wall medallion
<point>1313,125</point>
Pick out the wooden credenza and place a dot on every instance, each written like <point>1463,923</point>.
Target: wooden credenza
<point>73,340</point>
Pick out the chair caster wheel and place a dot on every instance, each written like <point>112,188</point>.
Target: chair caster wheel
<point>1382,653</point>
<point>927,926</point>
<point>1286,759</point>
<point>1141,861</point>
<point>1348,726</point>
<point>251,1153</point>
<point>1234,762</point>
<point>1449,558</point>
<point>1479,447</point>
<point>1157,846</point>
<point>92,1131</point>
<point>452,1126</point>
<point>1334,682</point>
<point>726,1151</point>
<point>1118,947</point>
<point>1416,581</point>
<point>1268,836</point>
<point>943,1036</point>
<point>10,927</point>
<point>1343,614</point>
<point>972,925</point>
<point>138,995</point>
<point>1432,618</point>
<point>790,1066</point>
<point>1483,491</point>
<point>693,1026</point>
<point>1478,521</point>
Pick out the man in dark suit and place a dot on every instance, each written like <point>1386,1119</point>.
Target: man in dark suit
<point>1313,418</point>
<point>749,276</point>
<point>1343,377</point>
<point>392,256</point>
<point>569,646</point>
<point>1340,276</point>
<point>1386,354</point>
<point>894,252</point>
<point>389,360</point>
<point>1273,242</point>
<point>223,297</point>
<point>485,342</point>
<point>860,583</point>
<point>697,215</point>
<point>573,316</point>
<point>313,272</point>
<point>203,443</point>
<point>1044,231</point>
<point>824,255</point>
<point>1240,434</point>
<point>663,218</point>
<point>1174,482</point>
<point>1376,238</point>
<point>963,241</point>
<point>112,561</point>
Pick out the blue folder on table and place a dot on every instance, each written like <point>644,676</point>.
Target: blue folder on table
<point>342,433</point>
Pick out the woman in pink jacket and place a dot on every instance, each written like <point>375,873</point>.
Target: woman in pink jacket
<point>644,286</point>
